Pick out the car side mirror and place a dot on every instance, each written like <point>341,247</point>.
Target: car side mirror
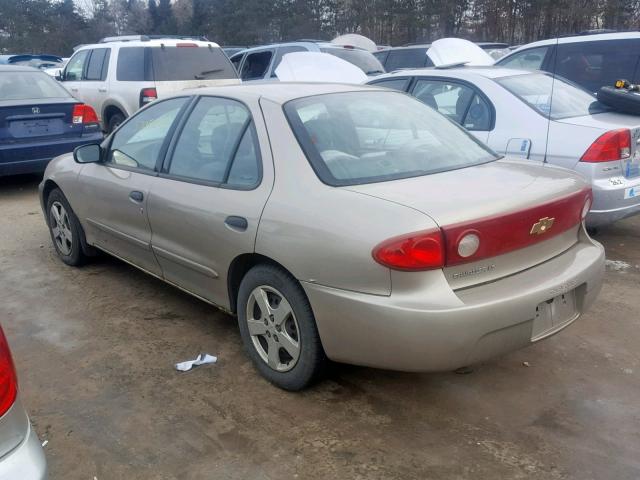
<point>90,153</point>
<point>58,75</point>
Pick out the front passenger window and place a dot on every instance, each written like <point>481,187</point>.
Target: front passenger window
<point>73,72</point>
<point>137,143</point>
<point>218,145</point>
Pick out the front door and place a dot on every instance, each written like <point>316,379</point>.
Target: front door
<point>116,192</point>
<point>74,73</point>
<point>205,206</point>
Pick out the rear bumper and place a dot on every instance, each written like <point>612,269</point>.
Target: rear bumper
<point>431,329</point>
<point>33,157</point>
<point>609,202</point>
<point>26,461</point>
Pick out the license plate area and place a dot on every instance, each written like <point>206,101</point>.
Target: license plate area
<point>553,314</point>
<point>35,128</point>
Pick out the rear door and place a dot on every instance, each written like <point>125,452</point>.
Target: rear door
<point>95,88</point>
<point>115,193</point>
<point>458,101</point>
<point>205,206</point>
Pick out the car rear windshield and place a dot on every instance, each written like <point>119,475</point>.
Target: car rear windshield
<point>365,137</point>
<point>365,61</point>
<point>29,86</point>
<point>568,100</point>
<point>189,62</point>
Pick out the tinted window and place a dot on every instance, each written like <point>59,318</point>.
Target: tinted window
<point>394,83</point>
<point>236,60</point>
<point>529,59</point>
<point>382,56</point>
<point>217,144</point>
<point>595,64</point>
<point>362,59</point>
<point>75,67</point>
<point>407,58</point>
<point>568,100</point>
<point>364,137</point>
<point>29,85</point>
<point>281,52</point>
<point>137,142</point>
<point>190,63</point>
<point>131,65</point>
<point>256,65</point>
<point>97,64</point>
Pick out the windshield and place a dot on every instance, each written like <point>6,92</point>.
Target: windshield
<point>371,136</point>
<point>29,85</point>
<point>365,61</point>
<point>569,100</point>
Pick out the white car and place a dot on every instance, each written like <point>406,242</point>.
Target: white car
<point>510,110</point>
<point>121,74</point>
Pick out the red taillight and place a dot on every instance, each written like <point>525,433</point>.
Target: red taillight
<point>83,114</point>
<point>148,95</point>
<point>613,145</point>
<point>8,378</point>
<point>416,251</point>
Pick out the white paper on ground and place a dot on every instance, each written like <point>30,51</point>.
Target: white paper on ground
<point>318,67</point>
<point>448,52</point>
<point>201,359</point>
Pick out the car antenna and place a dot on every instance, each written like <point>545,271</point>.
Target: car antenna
<point>553,82</point>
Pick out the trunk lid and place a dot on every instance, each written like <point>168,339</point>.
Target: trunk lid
<point>511,193</point>
<point>23,121</point>
<point>608,121</point>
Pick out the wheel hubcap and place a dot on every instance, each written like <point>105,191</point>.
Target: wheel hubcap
<point>273,328</point>
<point>61,228</point>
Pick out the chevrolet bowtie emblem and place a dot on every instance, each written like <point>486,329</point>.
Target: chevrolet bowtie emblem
<point>542,226</point>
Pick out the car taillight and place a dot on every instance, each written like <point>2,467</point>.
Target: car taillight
<point>83,114</point>
<point>148,95</point>
<point>415,251</point>
<point>613,145</point>
<point>8,378</point>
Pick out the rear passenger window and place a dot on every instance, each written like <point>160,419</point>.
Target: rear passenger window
<point>256,65</point>
<point>218,145</point>
<point>137,143</point>
<point>131,64</point>
<point>406,58</point>
<point>97,67</point>
<point>456,101</point>
<point>529,59</point>
<point>595,64</point>
<point>281,52</point>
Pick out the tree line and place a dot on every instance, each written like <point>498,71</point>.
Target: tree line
<point>56,26</point>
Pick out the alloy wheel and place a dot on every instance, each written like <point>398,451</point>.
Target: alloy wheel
<point>273,328</point>
<point>61,228</point>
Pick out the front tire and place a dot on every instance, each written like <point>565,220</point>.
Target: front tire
<point>278,328</point>
<point>65,229</point>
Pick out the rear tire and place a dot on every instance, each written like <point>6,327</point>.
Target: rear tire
<point>278,328</point>
<point>114,122</point>
<point>65,229</point>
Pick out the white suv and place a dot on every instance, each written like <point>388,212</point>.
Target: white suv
<point>121,74</point>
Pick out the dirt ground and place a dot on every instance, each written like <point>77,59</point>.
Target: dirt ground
<point>95,348</point>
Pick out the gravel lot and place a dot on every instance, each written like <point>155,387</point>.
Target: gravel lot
<point>94,349</point>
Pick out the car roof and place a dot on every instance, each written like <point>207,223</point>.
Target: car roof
<point>18,68</point>
<point>155,42</point>
<point>317,43</point>
<point>279,92</point>
<point>461,71</point>
<point>579,38</point>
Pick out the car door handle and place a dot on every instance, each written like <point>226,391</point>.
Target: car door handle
<point>74,89</point>
<point>102,90</point>
<point>136,196</point>
<point>237,223</point>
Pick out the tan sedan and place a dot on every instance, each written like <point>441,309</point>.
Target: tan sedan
<point>338,222</point>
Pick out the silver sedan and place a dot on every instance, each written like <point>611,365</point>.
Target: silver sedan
<point>337,222</point>
<point>532,115</point>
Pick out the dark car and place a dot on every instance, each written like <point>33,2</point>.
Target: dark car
<point>39,120</point>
